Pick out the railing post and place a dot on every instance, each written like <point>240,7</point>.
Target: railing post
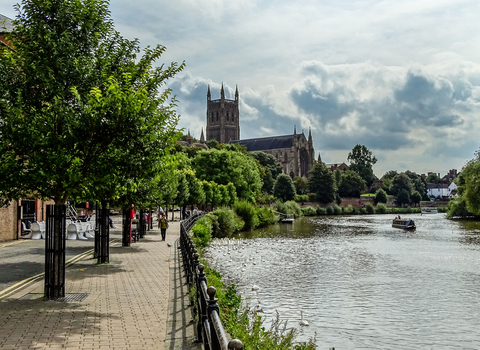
<point>213,306</point>
<point>235,344</point>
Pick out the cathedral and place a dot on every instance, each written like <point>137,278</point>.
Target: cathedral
<point>294,152</point>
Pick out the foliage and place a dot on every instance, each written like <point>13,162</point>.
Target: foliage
<point>312,197</point>
<point>301,185</point>
<point>369,208</point>
<point>224,223</point>
<point>416,197</point>
<point>80,111</point>
<point>361,162</point>
<point>329,210</point>
<point>309,211</point>
<point>399,182</point>
<point>293,208</point>
<point>266,216</point>
<point>195,188</point>
<point>272,169</point>
<point>227,166</point>
<point>351,185</point>
<point>284,188</point>
<point>322,183</point>
<point>458,208</point>
<point>380,196</point>
<point>321,210</point>
<point>248,213</point>
<point>337,210</point>
<point>301,198</point>
<point>469,184</point>
<point>432,177</point>
<point>202,232</point>
<point>403,197</point>
<point>380,208</point>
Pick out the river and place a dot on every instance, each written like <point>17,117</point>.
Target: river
<point>362,284</point>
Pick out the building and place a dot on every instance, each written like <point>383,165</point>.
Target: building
<point>334,166</point>
<point>294,152</point>
<point>6,27</point>
<point>223,118</point>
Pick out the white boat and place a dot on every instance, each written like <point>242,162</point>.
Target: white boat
<point>429,210</point>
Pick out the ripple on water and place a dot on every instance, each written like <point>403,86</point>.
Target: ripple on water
<point>363,284</point>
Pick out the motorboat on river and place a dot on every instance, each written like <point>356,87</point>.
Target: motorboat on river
<point>406,224</point>
<point>429,210</point>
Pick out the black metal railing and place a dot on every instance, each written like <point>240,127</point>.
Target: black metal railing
<point>209,328</point>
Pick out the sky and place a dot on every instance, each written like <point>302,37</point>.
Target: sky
<point>401,77</point>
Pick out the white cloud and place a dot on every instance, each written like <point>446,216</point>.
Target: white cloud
<point>398,76</point>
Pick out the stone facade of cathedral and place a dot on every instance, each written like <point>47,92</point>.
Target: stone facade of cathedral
<point>222,118</point>
<point>295,152</point>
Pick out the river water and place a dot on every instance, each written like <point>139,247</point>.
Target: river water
<point>362,284</point>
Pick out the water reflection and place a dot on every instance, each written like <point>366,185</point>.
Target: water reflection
<point>362,283</point>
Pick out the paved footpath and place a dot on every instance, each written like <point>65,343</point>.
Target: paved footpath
<point>138,301</point>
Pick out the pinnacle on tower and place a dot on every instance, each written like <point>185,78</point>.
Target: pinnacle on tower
<point>209,96</point>
<point>202,138</point>
<point>236,92</point>
<point>222,93</point>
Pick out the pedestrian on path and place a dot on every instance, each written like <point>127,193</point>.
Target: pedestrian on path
<point>163,225</point>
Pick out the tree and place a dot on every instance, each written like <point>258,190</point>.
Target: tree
<point>433,178</point>
<point>284,188</point>
<point>321,183</point>
<point>380,196</point>
<point>361,162</point>
<point>403,197</point>
<point>223,166</point>
<point>301,184</point>
<point>416,197</point>
<point>351,184</point>
<point>76,103</point>
<point>268,161</point>
<point>401,182</point>
<point>74,94</point>
<point>469,185</point>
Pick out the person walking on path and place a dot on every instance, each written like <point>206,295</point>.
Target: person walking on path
<point>163,225</point>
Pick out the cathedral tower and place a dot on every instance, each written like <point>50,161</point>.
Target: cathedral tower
<point>223,122</point>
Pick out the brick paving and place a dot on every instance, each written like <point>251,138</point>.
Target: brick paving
<point>138,301</point>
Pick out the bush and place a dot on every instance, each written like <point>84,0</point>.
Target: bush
<point>329,210</point>
<point>280,207</point>
<point>312,197</point>
<point>266,216</point>
<point>349,209</point>
<point>369,208</point>
<point>321,210</point>
<point>202,232</point>
<point>337,210</point>
<point>309,211</point>
<point>363,210</point>
<point>381,208</point>
<point>224,223</point>
<point>293,208</point>
<point>247,211</point>
<point>380,196</point>
<point>301,198</point>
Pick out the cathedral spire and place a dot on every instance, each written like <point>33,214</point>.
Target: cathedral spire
<point>222,93</point>
<point>209,96</point>
<point>236,92</point>
<point>294,129</point>
<point>202,138</point>
<point>309,135</point>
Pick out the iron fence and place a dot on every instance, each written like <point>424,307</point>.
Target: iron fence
<point>209,328</point>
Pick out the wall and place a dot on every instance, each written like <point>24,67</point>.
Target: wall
<point>8,222</point>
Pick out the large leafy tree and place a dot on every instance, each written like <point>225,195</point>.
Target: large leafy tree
<point>225,166</point>
<point>76,103</point>
<point>322,183</point>
<point>362,161</point>
<point>469,185</point>
<point>284,188</point>
<point>351,184</point>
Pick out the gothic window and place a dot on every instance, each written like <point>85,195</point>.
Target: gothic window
<point>211,116</point>
<point>217,116</point>
<point>227,116</point>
